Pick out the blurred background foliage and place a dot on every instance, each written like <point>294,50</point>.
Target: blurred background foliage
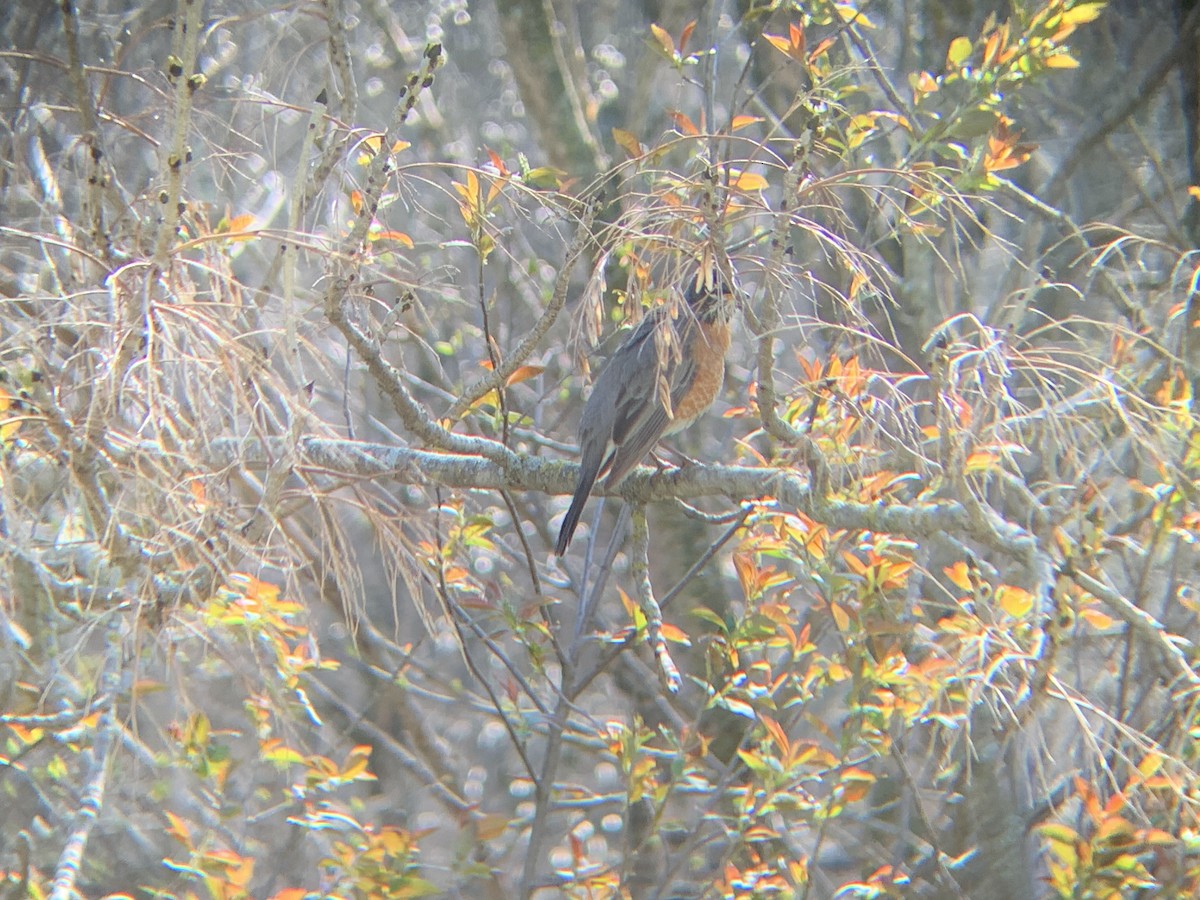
<point>299,306</point>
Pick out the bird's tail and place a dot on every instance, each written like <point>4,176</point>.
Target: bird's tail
<point>571,520</point>
<point>588,471</point>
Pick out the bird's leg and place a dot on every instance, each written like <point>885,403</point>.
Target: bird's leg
<point>684,461</point>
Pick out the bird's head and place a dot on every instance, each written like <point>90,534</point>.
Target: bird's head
<point>711,295</point>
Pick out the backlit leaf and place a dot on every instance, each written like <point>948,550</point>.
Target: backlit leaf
<point>524,373</point>
<point>628,142</point>
<point>959,52</point>
<point>663,38</point>
<point>1015,601</point>
<point>1062,60</point>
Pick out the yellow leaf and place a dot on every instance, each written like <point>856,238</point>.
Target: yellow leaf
<point>1150,764</point>
<point>544,177</point>
<point>1059,834</point>
<point>1080,15</point>
<point>852,15</point>
<point>1194,191</point>
<point>275,751</point>
<point>9,429</point>
<point>370,147</point>
<point>959,52</point>
<point>859,128</point>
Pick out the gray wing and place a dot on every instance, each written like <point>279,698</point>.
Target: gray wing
<point>641,419</point>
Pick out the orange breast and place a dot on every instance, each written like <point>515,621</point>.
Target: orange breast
<point>709,346</point>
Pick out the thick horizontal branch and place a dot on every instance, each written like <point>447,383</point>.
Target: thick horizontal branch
<point>646,485</point>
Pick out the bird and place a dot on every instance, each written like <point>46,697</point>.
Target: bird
<point>660,380</point>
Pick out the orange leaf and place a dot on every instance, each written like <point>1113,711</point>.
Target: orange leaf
<point>674,634</point>
<point>740,122</point>
<point>1098,620</point>
<point>746,569</point>
<point>776,731</point>
<point>856,784</point>
<point>631,609</point>
<point>628,142</point>
<point>684,124</point>
<point>524,373</point>
<point>782,44</point>
<point>1015,601</point>
<point>398,236</point>
<point>926,84</point>
<point>497,162</point>
<point>820,49</point>
<point>685,34</point>
<point>957,573</point>
<point>748,181</point>
<point>664,39</point>
<point>990,48</point>
<point>1062,60</point>
<point>981,461</point>
<point>178,829</point>
<point>796,38</point>
<point>237,223</point>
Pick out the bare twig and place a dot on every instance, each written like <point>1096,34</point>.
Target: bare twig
<point>91,800</point>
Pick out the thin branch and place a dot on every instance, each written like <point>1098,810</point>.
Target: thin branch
<point>70,861</point>
<point>499,377</point>
<point>181,70</point>
<point>1144,625</point>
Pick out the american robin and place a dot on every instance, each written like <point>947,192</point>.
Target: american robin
<point>660,380</point>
